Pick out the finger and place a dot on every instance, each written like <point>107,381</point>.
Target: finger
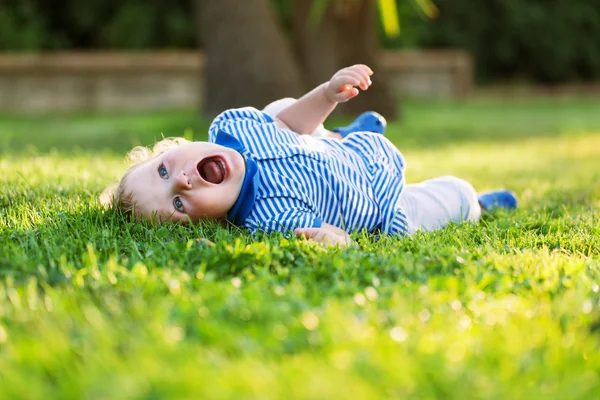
<point>312,234</point>
<point>362,78</point>
<point>345,240</point>
<point>369,70</point>
<point>321,237</point>
<point>364,69</point>
<point>364,73</point>
<point>204,241</point>
<point>307,233</point>
<point>347,80</point>
<point>346,95</point>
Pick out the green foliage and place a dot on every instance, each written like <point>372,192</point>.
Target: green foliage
<point>540,40</point>
<point>97,24</point>
<point>21,27</point>
<point>95,306</point>
<point>548,41</point>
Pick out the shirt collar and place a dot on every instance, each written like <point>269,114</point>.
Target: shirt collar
<point>245,201</point>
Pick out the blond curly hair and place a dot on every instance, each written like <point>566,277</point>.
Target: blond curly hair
<point>117,195</point>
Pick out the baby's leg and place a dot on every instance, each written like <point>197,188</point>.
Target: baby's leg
<point>277,106</point>
<point>434,203</point>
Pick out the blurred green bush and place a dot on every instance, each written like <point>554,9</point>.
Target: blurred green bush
<point>544,40</point>
<point>96,24</point>
<point>539,40</point>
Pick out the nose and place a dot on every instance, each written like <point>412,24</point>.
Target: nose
<point>182,182</point>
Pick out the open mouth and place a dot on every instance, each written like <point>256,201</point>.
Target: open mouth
<point>212,169</point>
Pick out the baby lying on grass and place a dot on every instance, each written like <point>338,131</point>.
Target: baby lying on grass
<point>279,170</point>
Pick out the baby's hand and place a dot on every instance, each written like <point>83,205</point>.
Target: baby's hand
<point>327,234</point>
<point>205,242</point>
<point>342,86</point>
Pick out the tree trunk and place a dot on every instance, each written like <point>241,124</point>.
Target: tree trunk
<point>248,61</point>
<point>346,35</point>
<point>314,43</point>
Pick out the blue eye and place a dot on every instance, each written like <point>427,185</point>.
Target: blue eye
<point>178,204</point>
<point>162,171</point>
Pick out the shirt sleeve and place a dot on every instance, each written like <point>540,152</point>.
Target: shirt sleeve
<point>270,217</point>
<point>253,128</point>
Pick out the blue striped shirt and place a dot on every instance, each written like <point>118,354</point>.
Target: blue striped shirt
<point>354,183</point>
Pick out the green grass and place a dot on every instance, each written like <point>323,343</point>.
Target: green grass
<point>92,306</point>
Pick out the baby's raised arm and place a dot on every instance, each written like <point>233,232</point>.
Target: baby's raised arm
<point>311,110</point>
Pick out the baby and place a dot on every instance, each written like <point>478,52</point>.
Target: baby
<point>279,170</point>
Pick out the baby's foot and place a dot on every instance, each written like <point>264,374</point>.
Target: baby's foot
<point>369,121</point>
<point>501,198</point>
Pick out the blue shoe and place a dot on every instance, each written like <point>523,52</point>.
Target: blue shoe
<point>369,121</point>
<point>498,199</point>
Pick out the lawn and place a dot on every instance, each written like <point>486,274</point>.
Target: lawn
<point>93,306</point>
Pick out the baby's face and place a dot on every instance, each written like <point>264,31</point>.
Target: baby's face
<point>193,181</point>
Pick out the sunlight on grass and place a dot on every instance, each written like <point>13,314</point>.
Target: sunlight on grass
<point>97,307</point>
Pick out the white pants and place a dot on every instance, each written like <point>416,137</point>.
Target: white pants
<point>428,205</point>
<point>434,203</point>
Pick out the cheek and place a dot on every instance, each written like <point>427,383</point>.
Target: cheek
<point>199,208</point>
<point>212,204</point>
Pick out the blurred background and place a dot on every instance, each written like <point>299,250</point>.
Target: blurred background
<point>225,53</point>
<point>70,56</point>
